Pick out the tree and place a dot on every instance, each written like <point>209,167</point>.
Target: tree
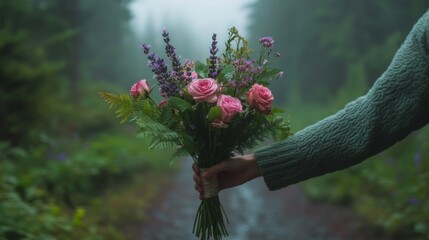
<point>321,41</point>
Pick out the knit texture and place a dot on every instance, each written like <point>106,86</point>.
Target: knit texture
<point>395,106</point>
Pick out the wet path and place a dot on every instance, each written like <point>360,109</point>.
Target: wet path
<point>254,213</point>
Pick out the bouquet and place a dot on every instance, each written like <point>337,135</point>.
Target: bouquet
<point>209,110</point>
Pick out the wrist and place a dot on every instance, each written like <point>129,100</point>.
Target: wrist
<point>254,169</point>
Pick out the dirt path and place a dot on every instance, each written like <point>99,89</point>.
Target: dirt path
<point>254,213</point>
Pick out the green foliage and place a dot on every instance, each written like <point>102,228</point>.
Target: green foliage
<point>236,47</point>
<point>179,104</point>
<point>47,194</point>
<point>267,75</point>
<point>226,73</point>
<point>201,69</point>
<point>30,212</point>
<point>320,40</point>
<point>122,104</point>
<point>26,102</point>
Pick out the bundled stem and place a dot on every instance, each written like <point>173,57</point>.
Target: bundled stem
<point>210,220</point>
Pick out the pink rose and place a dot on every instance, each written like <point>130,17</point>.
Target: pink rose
<point>230,106</point>
<point>140,87</point>
<point>260,97</point>
<point>203,90</point>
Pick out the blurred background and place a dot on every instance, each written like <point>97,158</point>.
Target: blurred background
<point>69,170</point>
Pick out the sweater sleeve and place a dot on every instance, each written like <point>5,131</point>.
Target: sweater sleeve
<point>395,106</point>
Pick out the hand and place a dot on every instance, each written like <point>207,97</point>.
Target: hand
<point>230,173</point>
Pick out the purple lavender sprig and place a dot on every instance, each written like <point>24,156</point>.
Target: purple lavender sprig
<point>167,88</point>
<point>175,61</point>
<point>213,69</point>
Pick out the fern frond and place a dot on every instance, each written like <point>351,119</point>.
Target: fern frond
<point>180,152</point>
<point>157,143</point>
<point>123,104</point>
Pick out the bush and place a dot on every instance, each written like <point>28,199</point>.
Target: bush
<point>44,190</point>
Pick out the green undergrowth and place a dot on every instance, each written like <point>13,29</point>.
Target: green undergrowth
<point>88,189</point>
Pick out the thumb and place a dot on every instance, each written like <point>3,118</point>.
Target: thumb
<point>213,171</point>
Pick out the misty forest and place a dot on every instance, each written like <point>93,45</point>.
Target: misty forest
<point>70,170</point>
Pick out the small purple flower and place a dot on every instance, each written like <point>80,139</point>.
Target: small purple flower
<point>389,161</point>
<point>277,54</point>
<point>265,62</point>
<point>62,156</point>
<point>413,201</point>
<point>267,42</point>
<point>280,74</point>
<point>417,160</point>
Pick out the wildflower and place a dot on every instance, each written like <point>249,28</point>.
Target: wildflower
<point>267,42</point>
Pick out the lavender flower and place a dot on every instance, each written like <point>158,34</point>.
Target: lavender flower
<point>159,68</point>
<point>213,71</point>
<point>267,42</point>
<point>171,53</point>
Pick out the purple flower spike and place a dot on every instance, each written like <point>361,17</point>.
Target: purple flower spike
<point>213,71</point>
<point>171,53</point>
<point>267,42</point>
<point>160,70</point>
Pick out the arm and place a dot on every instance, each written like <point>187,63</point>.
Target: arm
<point>395,106</point>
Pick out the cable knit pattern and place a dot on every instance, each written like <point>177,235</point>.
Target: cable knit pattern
<point>395,106</point>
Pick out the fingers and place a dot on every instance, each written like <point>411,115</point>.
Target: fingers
<point>213,171</point>
<point>196,169</point>
<point>197,180</point>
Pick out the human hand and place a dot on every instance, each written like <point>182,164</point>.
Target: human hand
<point>233,172</point>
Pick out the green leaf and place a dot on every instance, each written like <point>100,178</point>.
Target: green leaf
<point>277,110</point>
<point>123,104</point>
<point>268,74</point>
<point>214,113</point>
<point>226,73</point>
<point>201,69</point>
<point>179,153</point>
<point>179,104</point>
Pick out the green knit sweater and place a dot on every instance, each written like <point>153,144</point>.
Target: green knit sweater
<point>395,106</point>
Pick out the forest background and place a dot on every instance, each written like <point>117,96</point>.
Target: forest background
<point>64,158</point>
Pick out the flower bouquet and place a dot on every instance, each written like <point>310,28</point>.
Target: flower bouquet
<point>209,110</point>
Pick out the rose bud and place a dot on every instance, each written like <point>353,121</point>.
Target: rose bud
<point>139,88</point>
